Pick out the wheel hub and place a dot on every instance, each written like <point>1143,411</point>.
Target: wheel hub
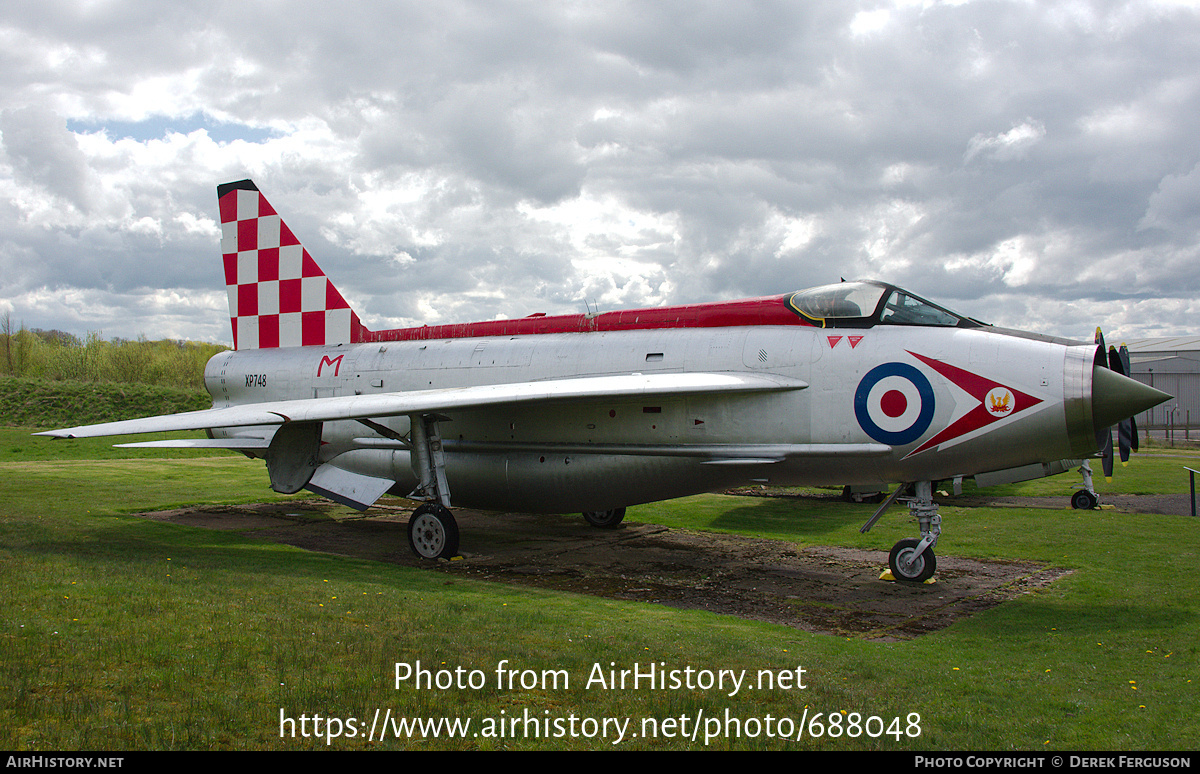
<point>429,536</point>
<point>911,562</point>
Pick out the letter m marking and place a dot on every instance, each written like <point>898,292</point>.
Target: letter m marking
<point>327,361</point>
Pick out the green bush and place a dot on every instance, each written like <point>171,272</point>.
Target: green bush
<point>59,356</point>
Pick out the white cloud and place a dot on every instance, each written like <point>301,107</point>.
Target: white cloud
<point>1009,145</point>
<point>464,160</point>
<point>1175,205</point>
<point>867,23</point>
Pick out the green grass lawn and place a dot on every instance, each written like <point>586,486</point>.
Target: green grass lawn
<point>119,633</point>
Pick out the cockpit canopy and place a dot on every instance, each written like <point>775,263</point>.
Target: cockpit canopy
<point>867,303</point>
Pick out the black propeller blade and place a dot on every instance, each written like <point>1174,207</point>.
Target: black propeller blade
<point>1104,439</point>
<point>1115,395</point>
<point>1115,360</point>
<point>1127,430</point>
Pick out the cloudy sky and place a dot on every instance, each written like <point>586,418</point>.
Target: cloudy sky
<point>1032,164</point>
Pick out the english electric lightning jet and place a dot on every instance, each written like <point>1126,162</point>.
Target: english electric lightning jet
<point>857,383</point>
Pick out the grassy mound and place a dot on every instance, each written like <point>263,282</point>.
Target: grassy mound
<point>45,404</point>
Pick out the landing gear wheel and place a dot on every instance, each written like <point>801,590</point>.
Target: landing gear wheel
<point>907,566</point>
<point>432,532</point>
<point>605,519</point>
<point>1083,500</point>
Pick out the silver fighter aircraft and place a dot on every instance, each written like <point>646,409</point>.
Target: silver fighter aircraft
<point>857,383</point>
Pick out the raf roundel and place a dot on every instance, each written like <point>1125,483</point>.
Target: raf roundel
<point>894,403</point>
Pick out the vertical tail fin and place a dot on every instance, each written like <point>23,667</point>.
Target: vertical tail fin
<point>278,296</point>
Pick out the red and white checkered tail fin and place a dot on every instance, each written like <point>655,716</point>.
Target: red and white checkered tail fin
<point>278,296</point>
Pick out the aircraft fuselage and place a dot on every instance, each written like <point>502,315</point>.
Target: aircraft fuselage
<point>892,386</point>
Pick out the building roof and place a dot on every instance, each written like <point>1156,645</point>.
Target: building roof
<point>1164,347</point>
<point>1165,365</point>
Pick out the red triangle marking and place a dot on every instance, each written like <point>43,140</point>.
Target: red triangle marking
<point>977,387</point>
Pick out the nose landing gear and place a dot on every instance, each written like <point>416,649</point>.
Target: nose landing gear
<point>912,560</point>
<point>1086,498</point>
<point>908,563</point>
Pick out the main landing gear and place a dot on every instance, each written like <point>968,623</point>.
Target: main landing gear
<point>912,560</point>
<point>432,530</point>
<point>605,519</point>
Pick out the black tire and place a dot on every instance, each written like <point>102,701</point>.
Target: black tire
<point>1083,500</point>
<point>433,532</point>
<point>605,519</point>
<point>920,571</point>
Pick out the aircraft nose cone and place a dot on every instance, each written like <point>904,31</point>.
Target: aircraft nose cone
<point>1116,397</point>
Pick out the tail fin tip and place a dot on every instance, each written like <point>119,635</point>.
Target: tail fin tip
<point>278,295</point>
<point>245,185</point>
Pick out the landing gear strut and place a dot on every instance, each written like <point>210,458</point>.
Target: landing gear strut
<point>912,560</point>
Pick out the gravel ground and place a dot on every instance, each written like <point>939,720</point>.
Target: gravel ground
<point>824,589</point>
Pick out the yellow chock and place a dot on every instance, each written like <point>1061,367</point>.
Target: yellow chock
<point>886,575</point>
